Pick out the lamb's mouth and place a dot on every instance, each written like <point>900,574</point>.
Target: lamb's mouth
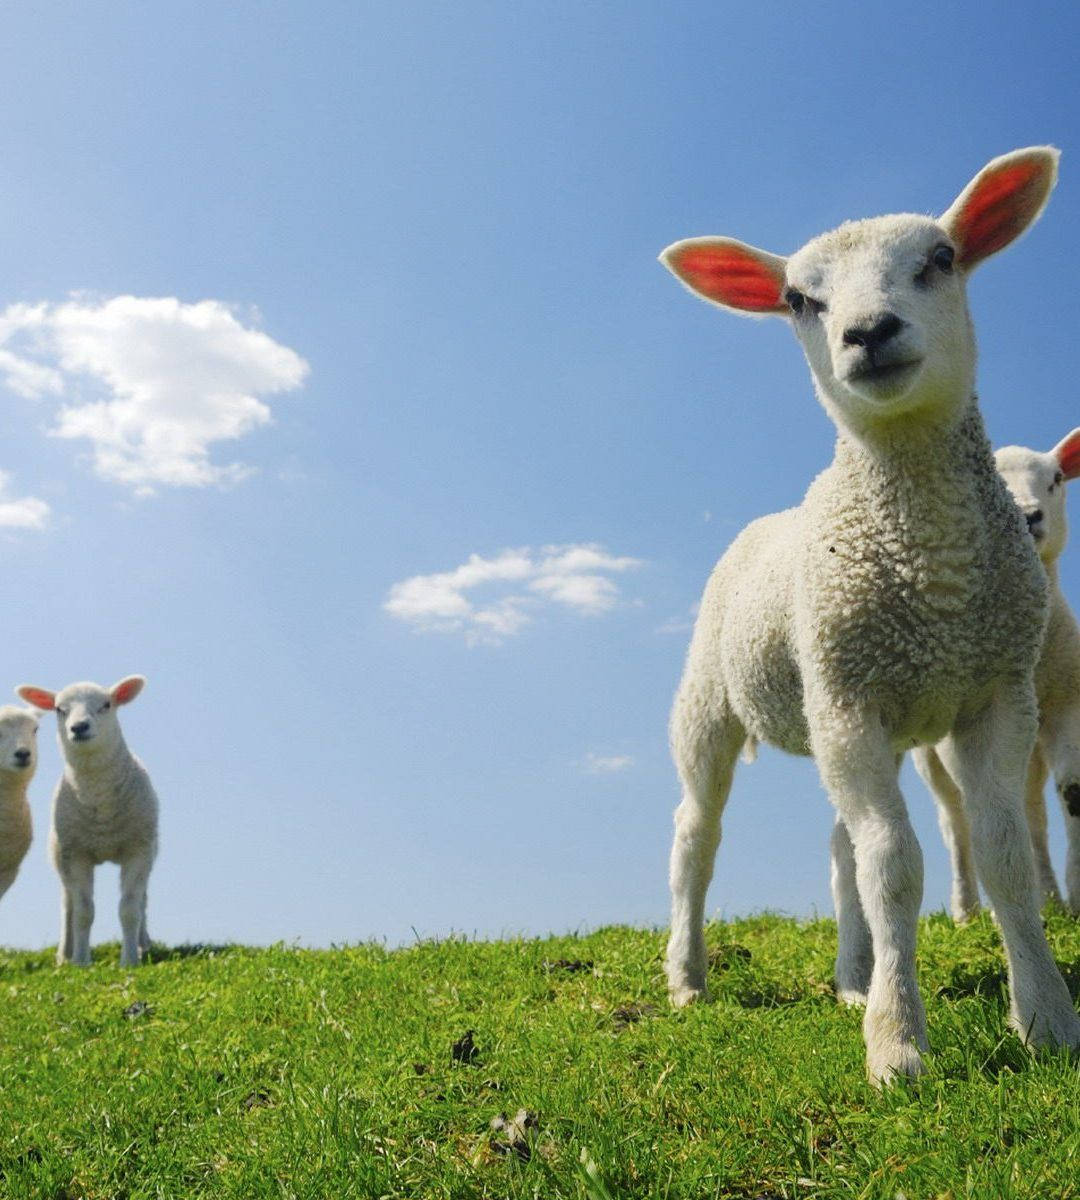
<point>887,374</point>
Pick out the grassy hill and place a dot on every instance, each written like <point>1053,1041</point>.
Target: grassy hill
<point>246,1073</point>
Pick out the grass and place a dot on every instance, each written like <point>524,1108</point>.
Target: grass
<point>244,1073</point>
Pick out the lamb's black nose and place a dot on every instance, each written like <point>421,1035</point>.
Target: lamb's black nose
<point>22,757</point>
<point>1033,518</point>
<point>873,334</point>
<point>79,728</point>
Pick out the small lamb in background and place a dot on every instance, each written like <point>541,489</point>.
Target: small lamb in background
<point>1037,482</point>
<point>104,810</point>
<point>18,760</point>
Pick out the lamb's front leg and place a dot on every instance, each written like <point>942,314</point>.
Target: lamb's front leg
<point>859,769</point>
<point>1061,745</point>
<point>989,759</point>
<point>77,908</point>
<point>134,875</point>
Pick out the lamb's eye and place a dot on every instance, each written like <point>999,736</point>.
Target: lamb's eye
<point>105,707</point>
<point>61,712</point>
<point>795,300</point>
<point>1058,477</point>
<point>942,258</point>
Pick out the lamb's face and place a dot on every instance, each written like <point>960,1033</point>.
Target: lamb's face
<point>881,313</point>
<point>18,742</point>
<point>1037,483</point>
<point>879,305</point>
<point>85,714</point>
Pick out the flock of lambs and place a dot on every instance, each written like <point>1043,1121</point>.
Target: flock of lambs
<point>909,603</point>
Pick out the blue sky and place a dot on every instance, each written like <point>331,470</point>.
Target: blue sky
<point>408,317</point>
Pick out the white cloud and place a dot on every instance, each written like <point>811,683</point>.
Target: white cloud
<point>607,764</point>
<point>151,383</point>
<point>511,586</point>
<point>679,624</point>
<point>28,512</point>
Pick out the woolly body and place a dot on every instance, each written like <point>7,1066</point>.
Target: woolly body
<point>18,760</point>
<point>901,603</point>
<point>904,580</point>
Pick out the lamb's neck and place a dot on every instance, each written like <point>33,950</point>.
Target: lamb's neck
<point>99,770</point>
<point>13,789</point>
<point>1051,569</point>
<point>922,458</point>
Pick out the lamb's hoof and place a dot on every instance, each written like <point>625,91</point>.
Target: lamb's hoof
<point>887,1065</point>
<point>683,997</point>
<point>1061,1031</point>
<point>853,997</point>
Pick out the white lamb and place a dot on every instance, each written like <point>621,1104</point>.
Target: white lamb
<point>1037,482</point>
<point>18,761</point>
<point>104,810</point>
<point>900,604</point>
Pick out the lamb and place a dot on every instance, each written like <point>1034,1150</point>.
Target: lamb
<point>104,810</point>
<point>1037,483</point>
<point>18,761</point>
<point>901,604</point>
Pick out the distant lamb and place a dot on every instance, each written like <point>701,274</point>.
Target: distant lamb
<point>902,603</point>
<point>18,761</point>
<point>104,810</point>
<point>1037,482</point>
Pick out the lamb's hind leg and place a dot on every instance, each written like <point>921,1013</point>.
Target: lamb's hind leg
<point>706,761</point>
<point>955,829</point>
<point>989,760</point>
<point>1061,745</point>
<point>1035,808</point>
<point>854,948</point>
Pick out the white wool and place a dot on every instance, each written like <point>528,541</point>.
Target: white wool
<point>104,810</point>
<point>1037,483</point>
<point>900,604</point>
<point>18,761</point>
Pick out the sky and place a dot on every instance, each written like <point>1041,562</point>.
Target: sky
<point>344,398</point>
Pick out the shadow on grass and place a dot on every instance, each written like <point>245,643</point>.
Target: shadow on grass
<point>985,982</point>
<point>159,953</point>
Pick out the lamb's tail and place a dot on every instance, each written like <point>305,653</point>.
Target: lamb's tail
<point>748,754</point>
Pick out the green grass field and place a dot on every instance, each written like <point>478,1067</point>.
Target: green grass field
<point>248,1073</point>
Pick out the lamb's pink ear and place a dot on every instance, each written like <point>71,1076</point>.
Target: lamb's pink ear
<point>36,696</point>
<point>1067,452</point>
<point>127,689</point>
<point>995,208</point>
<point>730,273</point>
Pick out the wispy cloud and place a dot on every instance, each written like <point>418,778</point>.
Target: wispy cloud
<point>679,624</point>
<point>504,591</point>
<point>151,383</point>
<point>607,764</point>
<point>27,512</point>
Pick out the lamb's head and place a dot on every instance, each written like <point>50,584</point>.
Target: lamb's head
<point>18,742</point>
<point>85,712</point>
<point>880,305</point>
<point>1037,482</point>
